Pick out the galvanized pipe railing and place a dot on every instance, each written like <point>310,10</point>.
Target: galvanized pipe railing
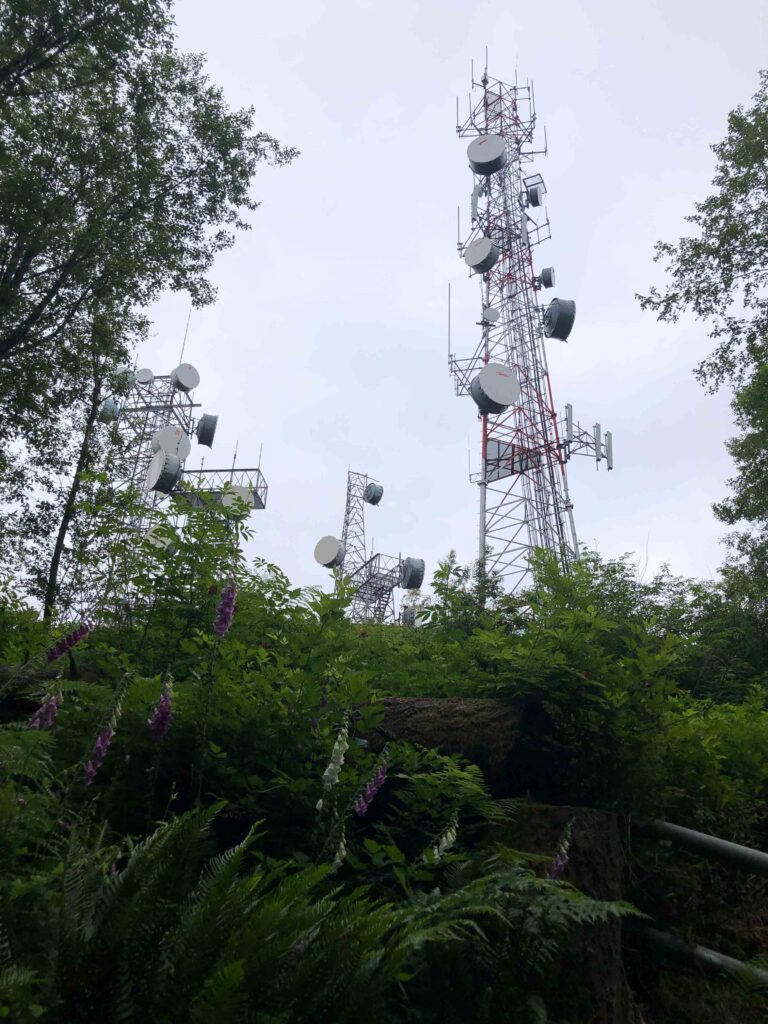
<point>708,846</point>
<point>700,956</point>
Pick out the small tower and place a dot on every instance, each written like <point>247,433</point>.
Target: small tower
<point>373,577</point>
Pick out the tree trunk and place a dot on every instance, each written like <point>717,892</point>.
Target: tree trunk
<point>69,506</point>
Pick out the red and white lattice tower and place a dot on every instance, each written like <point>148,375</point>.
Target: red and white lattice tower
<point>524,499</point>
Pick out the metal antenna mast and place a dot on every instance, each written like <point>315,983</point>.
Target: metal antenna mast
<point>524,498</point>
<point>155,417</point>
<point>373,577</point>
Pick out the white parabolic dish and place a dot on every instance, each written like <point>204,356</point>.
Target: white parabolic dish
<point>172,439</point>
<point>238,491</point>
<point>481,254</point>
<point>164,472</point>
<point>487,154</point>
<point>145,377</point>
<point>329,551</point>
<point>185,377</point>
<point>500,384</point>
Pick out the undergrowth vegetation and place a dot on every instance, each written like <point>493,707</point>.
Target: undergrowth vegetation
<point>195,825</point>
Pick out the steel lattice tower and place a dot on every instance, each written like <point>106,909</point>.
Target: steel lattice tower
<point>524,498</point>
<point>373,578</point>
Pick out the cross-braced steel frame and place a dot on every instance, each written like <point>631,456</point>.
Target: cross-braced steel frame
<point>524,499</point>
<point>145,410</point>
<point>373,578</point>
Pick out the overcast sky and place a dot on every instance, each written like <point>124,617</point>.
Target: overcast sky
<point>328,340</point>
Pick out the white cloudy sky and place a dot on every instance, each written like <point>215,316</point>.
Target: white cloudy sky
<point>328,341</point>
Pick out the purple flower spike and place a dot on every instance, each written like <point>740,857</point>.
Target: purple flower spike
<point>370,790</point>
<point>226,609</point>
<point>69,641</point>
<point>45,714</point>
<point>99,752</point>
<point>159,721</point>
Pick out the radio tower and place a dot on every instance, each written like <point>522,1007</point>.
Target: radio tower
<point>373,578</point>
<point>524,498</point>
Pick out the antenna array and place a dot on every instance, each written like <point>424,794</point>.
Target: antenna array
<point>524,498</point>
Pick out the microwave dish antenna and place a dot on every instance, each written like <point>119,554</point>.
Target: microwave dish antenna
<point>145,377</point>
<point>373,493</point>
<point>495,388</point>
<point>172,439</point>
<point>185,378</point>
<point>206,429</point>
<point>487,154</point>
<point>547,277</point>
<point>329,552</point>
<point>164,472</point>
<point>559,318</point>
<point>481,255</point>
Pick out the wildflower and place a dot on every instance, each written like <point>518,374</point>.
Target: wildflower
<point>446,840</point>
<point>69,641</point>
<point>331,773</point>
<point>226,610</point>
<point>65,823</point>
<point>45,714</point>
<point>21,801</point>
<point>341,851</point>
<point>159,721</point>
<point>298,948</point>
<point>560,860</point>
<point>113,869</point>
<point>365,798</point>
<point>99,752</point>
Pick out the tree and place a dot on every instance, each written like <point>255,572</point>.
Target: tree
<point>721,276</point>
<point>124,172</point>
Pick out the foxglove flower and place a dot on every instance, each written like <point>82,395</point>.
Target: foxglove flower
<point>69,641</point>
<point>365,798</point>
<point>341,851</point>
<point>159,722</point>
<point>226,610</point>
<point>331,773</point>
<point>560,860</point>
<point>45,714</point>
<point>446,840</point>
<point>99,752</point>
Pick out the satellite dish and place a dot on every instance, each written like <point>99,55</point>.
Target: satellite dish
<point>238,492</point>
<point>185,377</point>
<point>108,410</point>
<point>535,195</point>
<point>412,573</point>
<point>158,539</point>
<point>491,315</point>
<point>206,429</point>
<point>487,154</point>
<point>172,439</point>
<point>547,277</point>
<point>481,254</point>
<point>329,551</point>
<point>164,472</point>
<point>145,377</point>
<point>372,493</point>
<point>558,318</point>
<point>495,388</point>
